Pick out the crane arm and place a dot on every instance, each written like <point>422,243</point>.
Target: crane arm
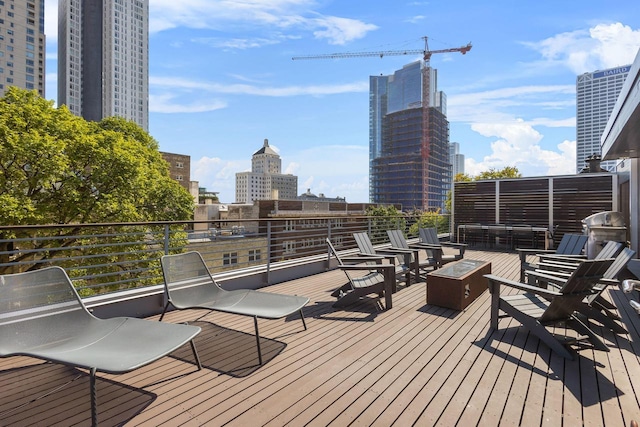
<point>425,52</point>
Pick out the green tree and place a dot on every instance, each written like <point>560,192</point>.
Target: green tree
<point>57,168</point>
<point>384,218</point>
<point>506,172</point>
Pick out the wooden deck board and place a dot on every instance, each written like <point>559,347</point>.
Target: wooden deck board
<point>414,364</point>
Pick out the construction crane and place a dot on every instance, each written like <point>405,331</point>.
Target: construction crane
<point>425,52</point>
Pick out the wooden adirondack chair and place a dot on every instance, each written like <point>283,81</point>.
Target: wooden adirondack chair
<point>571,244</point>
<point>539,308</point>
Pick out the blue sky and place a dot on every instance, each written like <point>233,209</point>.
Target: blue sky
<point>222,80</point>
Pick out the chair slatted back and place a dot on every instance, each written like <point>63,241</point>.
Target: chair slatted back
<point>576,288</point>
<point>429,236</point>
<point>610,250</point>
<point>571,244</point>
<point>372,278</point>
<point>620,262</point>
<point>366,247</point>
<point>397,239</point>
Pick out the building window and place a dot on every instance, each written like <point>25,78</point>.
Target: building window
<point>230,258</point>
<point>254,255</point>
<point>289,247</point>
<point>180,165</point>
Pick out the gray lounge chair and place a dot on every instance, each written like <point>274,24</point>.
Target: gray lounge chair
<point>571,244</point>
<point>42,316</point>
<point>538,308</point>
<point>429,236</point>
<point>373,282</point>
<point>434,253</point>
<point>189,285</point>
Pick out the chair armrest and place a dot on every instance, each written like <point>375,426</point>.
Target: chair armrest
<point>454,245</point>
<point>523,252</point>
<point>395,251</point>
<point>360,267</point>
<point>359,259</point>
<point>496,281</point>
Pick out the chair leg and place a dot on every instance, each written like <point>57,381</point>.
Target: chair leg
<point>303,322</point>
<point>93,397</point>
<point>255,322</point>
<point>164,311</point>
<point>195,355</point>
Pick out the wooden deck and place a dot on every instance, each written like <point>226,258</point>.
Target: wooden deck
<point>415,364</point>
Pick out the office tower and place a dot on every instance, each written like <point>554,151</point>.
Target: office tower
<point>103,58</point>
<point>265,181</point>
<point>408,139</point>
<point>456,159</point>
<point>22,45</point>
<point>596,94</point>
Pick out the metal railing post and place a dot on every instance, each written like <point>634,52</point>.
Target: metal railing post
<point>268,278</point>
<point>166,239</point>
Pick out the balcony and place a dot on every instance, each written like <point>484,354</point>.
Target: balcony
<point>415,364</point>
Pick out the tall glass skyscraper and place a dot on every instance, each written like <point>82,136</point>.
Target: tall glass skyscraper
<point>22,45</point>
<point>596,94</point>
<point>408,139</point>
<point>103,58</point>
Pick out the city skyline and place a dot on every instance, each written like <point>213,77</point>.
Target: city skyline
<point>222,80</point>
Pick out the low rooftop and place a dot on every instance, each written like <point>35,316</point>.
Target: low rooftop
<point>415,364</point>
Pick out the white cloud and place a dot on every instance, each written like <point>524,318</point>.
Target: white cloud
<point>166,104</point>
<point>218,175</point>
<point>296,15</point>
<point>339,31</point>
<point>416,19</point>
<point>602,46</point>
<point>166,93</point>
<point>517,145</point>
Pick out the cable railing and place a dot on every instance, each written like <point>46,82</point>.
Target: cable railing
<point>107,258</point>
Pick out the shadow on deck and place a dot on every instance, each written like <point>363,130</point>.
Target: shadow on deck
<point>414,364</point>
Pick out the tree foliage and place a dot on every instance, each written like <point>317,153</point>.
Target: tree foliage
<point>492,173</point>
<point>57,168</point>
<point>384,218</point>
<point>506,172</point>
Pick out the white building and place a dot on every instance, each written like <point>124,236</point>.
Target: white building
<point>22,45</point>
<point>596,94</point>
<point>265,181</point>
<point>103,59</point>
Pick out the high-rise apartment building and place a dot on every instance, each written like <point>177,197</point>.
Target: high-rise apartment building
<point>456,159</point>
<point>596,95</point>
<point>408,139</point>
<point>22,45</point>
<point>103,58</point>
<point>265,181</point>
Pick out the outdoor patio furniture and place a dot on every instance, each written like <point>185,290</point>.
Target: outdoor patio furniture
<point>599,309</point>
<point>523,236</point>
<point>434,253</point>
<point>571,244</point>
<point>429,236</point>
<point>188,284</point>
<point>42,316</point>
<point>404,259</point>
<point>538,308</point>
<point>377,280</point>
